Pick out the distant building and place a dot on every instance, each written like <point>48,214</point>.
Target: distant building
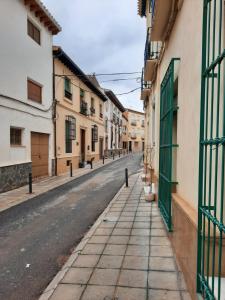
<point>136,132</point>
<point>26,98</point>
<point>79,114</point>
<point>113,123</point>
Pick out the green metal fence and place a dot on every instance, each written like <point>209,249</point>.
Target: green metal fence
<point>211,227</point>
<point>167,108</point>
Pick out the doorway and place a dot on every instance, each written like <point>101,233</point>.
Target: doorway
<point>39,154</point>
<point>82,145</point>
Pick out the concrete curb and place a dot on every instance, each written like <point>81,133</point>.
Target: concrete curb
<point>59,276</point>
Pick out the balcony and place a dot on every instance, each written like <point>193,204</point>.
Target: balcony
<point>152,52</point>
<point>92,110</point>
<point>133,123</point>
<point>161,15</point>
<point>145,87</point>
<point>83,108</point>
<point>133,136</point>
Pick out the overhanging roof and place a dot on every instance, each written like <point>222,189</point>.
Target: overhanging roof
<point>115,100</point>
<point>42,13</point>
<point>69,63</point>
<point>142,7</point>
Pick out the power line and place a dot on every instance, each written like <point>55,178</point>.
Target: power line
<point>128,92</point>
<point>94,74</point>
<point>121,79</point>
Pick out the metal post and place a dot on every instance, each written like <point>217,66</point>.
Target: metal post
<point>103,159</point>
<point>113,156</point>
<point>91,164</point>
<point>71,170</point>
<point>30,183</point>
<point>126,177</point>
<point>119,153</point>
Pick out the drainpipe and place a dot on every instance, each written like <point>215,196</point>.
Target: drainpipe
<point>54,117</point>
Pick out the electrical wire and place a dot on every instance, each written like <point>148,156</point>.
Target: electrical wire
<point>126,93</point>
<point>122,79</point>
<point>101,74</point>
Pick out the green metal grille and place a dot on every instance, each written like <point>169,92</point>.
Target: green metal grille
<point>167,108</point>
<point>211,227</point>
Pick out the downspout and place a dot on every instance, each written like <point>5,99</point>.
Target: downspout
<point>54,117</point>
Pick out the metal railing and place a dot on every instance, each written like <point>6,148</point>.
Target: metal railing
<point>152,49</point>
<point>144,84</point>
<point>83,108</point>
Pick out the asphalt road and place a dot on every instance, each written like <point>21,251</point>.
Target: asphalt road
<point>37,236</point>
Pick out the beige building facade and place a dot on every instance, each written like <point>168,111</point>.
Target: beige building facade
<point>79,122</point>
<point>136,131</point>
<point>181,121</point>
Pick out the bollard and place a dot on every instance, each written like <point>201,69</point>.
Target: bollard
<point>113,156</point>
<point>126,177</point>
<point>103,159</point>
<point>91,164</point>
<point>119,153</point>
<point>30,183</point>
<point>71,170</point>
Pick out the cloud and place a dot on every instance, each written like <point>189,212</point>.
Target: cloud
<point>103,36</point>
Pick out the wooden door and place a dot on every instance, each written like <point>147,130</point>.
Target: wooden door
<point>82,144</point>
<point>39,154</point>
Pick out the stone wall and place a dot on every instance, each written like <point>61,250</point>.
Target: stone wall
<point>14,176</point>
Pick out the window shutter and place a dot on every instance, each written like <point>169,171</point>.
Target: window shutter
<point>34,91</point>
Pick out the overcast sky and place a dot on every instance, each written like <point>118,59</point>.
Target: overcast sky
<point>103,36</point>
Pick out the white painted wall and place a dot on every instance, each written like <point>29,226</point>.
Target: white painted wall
<point>22,58</point>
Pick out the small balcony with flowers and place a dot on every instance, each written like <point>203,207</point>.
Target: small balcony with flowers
<point>151,56</point>
<point>133,135</point>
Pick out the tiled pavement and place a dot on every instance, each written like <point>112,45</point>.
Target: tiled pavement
<point>17,196</point>
<point>125,256</point>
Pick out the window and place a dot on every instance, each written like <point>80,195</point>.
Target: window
<point>100,111</point>
<point>94,137</point>
<point>34,91</point>
<point>15,136</point>
<point>92,109</point>
<point>70,132</point>
<point>67,88</point>
<point>33,32</point>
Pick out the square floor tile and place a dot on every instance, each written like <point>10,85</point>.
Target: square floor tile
<point>86,261</point>
<point>93,249</point>
<point>77,275</point>
<point>104,277</point>
<point>123,293</point>
<point>162,264</point>
<point>107,224</point>
<point>103,231</point>
<point>128,214</point>
<point>133,278</point>
<point>115,250</point>
<point>98,292</point>
<point>135,263</point>
<point>137,250</point>
<point>142,219</point>
<point>141,225</point>
<point>157,225</point>
<point>163,280</point>
<point>139,240</point>
<point>126,225</point>
<point>163,295</point>
<point>126,219</point>
<point>159,241</point>
<point>158,232</point>
<point>164,251</point>
<point>68,292</point>
<point>110,262</point>
<point>121,231</point>
<point>140,232</point>
<point>118,239</point>
<point>98,239</point>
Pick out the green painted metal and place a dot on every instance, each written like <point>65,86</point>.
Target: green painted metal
<point>167,109</point>
<point>211,225</point>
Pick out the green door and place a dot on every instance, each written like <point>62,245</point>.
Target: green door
<point>211,221</point>
<point>167,108</point>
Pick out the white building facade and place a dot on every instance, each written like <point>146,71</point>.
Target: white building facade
<point>26,92</point>
<point>113,111</point>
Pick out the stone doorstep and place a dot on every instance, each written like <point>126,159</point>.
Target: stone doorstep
<point>59,276</point>
<point>43,186</point>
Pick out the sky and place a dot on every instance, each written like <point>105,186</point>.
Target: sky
<point>104,36</point>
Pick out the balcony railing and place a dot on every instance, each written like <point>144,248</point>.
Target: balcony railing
<point>145,87</point>
<point>83,108</point>
<point>152,49</point>
<point>92,110</point>
<point>133,136</point>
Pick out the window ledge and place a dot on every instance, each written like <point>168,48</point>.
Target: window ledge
<point>17,146</point>
<point>68,100</point>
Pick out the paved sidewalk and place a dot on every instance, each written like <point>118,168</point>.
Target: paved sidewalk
<point>19,195</point>
<point>126,255</point>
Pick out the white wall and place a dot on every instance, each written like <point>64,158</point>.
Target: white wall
<point>22,58</point>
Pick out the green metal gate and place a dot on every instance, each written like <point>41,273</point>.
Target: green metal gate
<point>211,227</point>
<point>167,109</point>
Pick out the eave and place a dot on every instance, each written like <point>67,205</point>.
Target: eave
<point>58,53</point>
<point>115,100</point>
<point>41,12</point>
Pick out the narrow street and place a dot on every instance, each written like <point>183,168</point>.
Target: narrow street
<point>37,237</point>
